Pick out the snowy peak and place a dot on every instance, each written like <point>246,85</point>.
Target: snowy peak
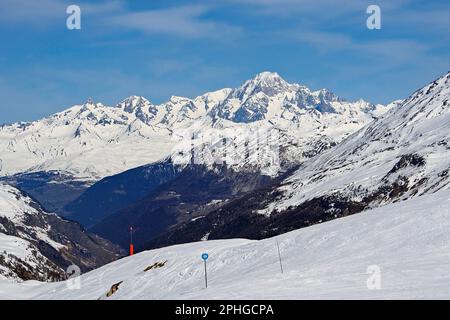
<point>269,83</point>
<point>140,107</point>
<point>269,78</point>
<point>250,102</point>
<point>418,117</point>
<point>325,94</point>
<point>269,97</point>
<point>132,103</point>
<point>91,105</point>
<point>177,110</point>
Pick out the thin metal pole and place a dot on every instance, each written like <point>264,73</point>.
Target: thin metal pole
<point>279,256</point>
<point>131,241</point>
<point>206,276</point>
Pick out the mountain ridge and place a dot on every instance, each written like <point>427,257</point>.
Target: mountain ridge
<point>74,140</point>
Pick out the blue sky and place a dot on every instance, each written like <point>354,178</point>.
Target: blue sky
<point>163,48</point>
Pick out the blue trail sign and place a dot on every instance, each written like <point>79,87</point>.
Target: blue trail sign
<point>205,257</point>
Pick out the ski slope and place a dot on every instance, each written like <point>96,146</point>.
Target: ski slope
<point>409,241</point>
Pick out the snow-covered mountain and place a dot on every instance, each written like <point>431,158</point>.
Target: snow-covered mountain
<point>270,97</point>
<point>399,251</point>
<point>92,140</point>
<point>38,245</point>
<point>404,154</point>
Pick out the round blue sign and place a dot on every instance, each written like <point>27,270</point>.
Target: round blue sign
<point>205,256</point>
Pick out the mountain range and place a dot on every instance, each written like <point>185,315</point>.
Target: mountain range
<point>402,155</point>
<point>57,158</point>
<point>252,162</point>
<point>92,140</point>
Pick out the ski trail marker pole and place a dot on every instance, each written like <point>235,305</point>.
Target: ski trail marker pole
<point>205,257</point>
<point>131,242</point>
<point>279,256</point>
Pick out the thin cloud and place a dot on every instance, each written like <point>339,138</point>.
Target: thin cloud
<point>188,21</point>
<point>47,12</point>
<point>31,12</point>
<point>184,21</point>
<point>103,8</point>
<point>398,50</point>
<point>429,21</point>
<point>323,8</point>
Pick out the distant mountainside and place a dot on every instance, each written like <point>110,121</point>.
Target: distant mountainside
<point>189,196</point>
<point>53,189</point>
<point>38,245</point>
<point>111,194</point>
<point>403,155</point>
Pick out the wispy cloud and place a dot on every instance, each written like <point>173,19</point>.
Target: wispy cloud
<point>32,13</point>
<point>431,21</point>
<point>323,8</point>
<point>186,21</point>
<point>44,13</point>
<point>102,8</point>
<point>397,50</point>
<point>339,28</point>
<point>189,21</point>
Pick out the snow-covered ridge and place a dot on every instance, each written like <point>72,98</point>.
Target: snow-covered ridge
<point>16,207</point>
<point>92,140</point>
<point>10,207</point>
<point>404,154</point>
<point>35,244</point>
<point>407,244</point>
<point>19,254</point>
